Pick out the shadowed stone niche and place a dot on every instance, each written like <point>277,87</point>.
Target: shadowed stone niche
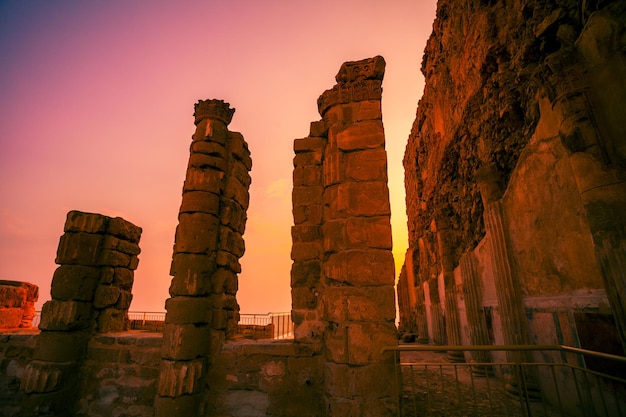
<point>203,311</point>
<point>343,272</point>
<point>91,293</point>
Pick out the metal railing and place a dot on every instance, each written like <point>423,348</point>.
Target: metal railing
<point>528,381</point>
<point>265,326</point>
<point>251,326</point>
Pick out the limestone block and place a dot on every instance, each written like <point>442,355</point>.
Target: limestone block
<point>339,380</point>
<point>74,282</point>
<point>237,192</point>
<point>208,180</point>
<point>310,214</point>
<point>304,298</point>
<point>305,196</point>
<point>376,380</point>
<point>191,274</point>
<point>232,214</point>
<point>310,331</point>
<point>225,281</point>
<point>333,171</point>
<point>123,303</point>
<point>219,319</point>
<point>200,201</point>
<point>78,221</point>
<point>184,341</point>
<point>134,263</point>
<point>232,242</point>
<point>188,310</point>
<point>196,233</point>
<point>106,296</point>
<point>60,346</point>
<point>178,378</point>
<point>357,233</point>
<point>306,233</point>
<point>114,258</point>
<point>238,171</point>
<point>187,405</point>
<point>10,317</point>
<point>317,129</point>
<point>369,165</point>
<point>228,260</point>
<point>365,341</point>
<point>125,230</point>
<point>357,199</point>
<point>361,267</point>
<point>310,145</point>
<point>239,149</point>
<point>203,161</point>
<point>209,148</point>
<point>79,248</point>
<point>371,304</point>
<point>65,315</point>
<point>309,175</point>
<point>343,407</point>
<point>112,320</point>
<point>302,251</point>
<point>362,135</point>
<point>41,377</point>
<point>124,246</point>
<point>123,278</point>
<point>368,110</point>
<point>305,273</point>
<point>308,159</point>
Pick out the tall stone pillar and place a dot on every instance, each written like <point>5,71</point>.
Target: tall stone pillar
<point>508,292</point>
<point>472,293</point>
<point>356,281</point>
<point>438,326</point>
<point>596,144</point>
<point>421,317</point>
<point>203,309</point>
<point>453,322</point>
<point>91,292</point>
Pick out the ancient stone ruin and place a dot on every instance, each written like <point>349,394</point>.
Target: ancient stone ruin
<point>17,304</point>
<point>515,176</point>
<point>342,285</point>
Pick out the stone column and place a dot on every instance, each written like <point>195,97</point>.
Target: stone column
<point>203,310</point>
<point>357,262</point>
<point>91,292</point>
<point>437,323</point>
<point>472,292</point>
<point>508,292</point>
<point>595,142</point>
<point>446,254</point>
<point>420,313</point>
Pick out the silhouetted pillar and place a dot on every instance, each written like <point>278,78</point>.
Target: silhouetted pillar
<point>203,310</point>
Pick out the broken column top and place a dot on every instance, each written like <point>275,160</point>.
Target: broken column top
<point>356,81</point>
<point>213,109</point>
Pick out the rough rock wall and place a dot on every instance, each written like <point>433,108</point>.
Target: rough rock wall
<point>488,66</point>
<point>17,304</point>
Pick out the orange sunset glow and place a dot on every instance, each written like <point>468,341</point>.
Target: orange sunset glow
<point>96,115</point>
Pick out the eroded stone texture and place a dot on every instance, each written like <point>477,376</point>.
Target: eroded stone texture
<point>203,311</point>
<point>17,304</point>
<point>520,108</point>
<point>343,273</point>
<point>91,293</point>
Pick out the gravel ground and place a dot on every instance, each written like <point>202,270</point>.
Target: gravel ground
<point>436,391</point>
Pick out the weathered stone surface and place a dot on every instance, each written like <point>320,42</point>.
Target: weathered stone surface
<point>361,267</point>
<point>191,274</point>
<point>17,304</point>
<point>196,233</point>
<point>124,230</point>
<point>60,346</point>
<point>65,315</point>
<point>106,296</point>
<point>368,165</point>
<point>185,341</point>
<point>178,378</point>
<point>79,249</point>
<point>358,233</point>
<point>364,135</point>
<point>188,310</point>
<point>74,282</point>
<point>357,199</point>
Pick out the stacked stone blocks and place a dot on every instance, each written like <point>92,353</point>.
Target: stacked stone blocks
<point>343,271</point>
<point>203,311</point>
<point>91,292</point>
<point>17,304</point>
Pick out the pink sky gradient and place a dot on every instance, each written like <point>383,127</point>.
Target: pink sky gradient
<point>96,114</point>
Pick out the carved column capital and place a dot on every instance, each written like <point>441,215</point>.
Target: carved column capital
<point>213,109</point>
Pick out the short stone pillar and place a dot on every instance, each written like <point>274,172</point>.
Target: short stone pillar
<point>352,272</point>
<point>91,292</point>
<point>17,304</point>
<point>203,311</point>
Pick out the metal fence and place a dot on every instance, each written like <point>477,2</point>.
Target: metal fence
<point>251,326</point>
<point>265,326</point>
<point>528,381</point>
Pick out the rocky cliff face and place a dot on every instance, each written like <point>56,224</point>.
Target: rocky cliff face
<point>479,108</point>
